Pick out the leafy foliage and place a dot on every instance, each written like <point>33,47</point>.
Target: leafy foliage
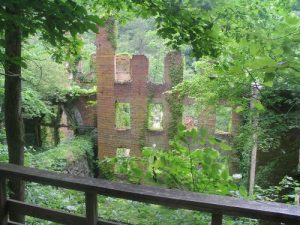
<point>260,44</point>
<point>3,153</point>
<point>174,100</point>
<point>139,36</point>
<point>56,159</point>
<point>52,20</point>
<point>286,191</point>
<point>254,50</point>
<point>109,208</point>
<point>202,170</point>
<point>223,119</point>
<point>244,42</point>
<point>179,22</point>
<point>70,94</point>
<point>33,106</point>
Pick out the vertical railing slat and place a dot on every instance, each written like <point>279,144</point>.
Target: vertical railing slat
<point>3,203</point>
<point>216,219</point>
<point>91,208</point>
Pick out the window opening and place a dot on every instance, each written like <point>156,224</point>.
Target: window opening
<point>123,118</point>
<point>123,152</point>
<point>123,69</point>
<point>156,69</point>
<point>190,117</point>
<point>223,119</point>
<point>155,118</point>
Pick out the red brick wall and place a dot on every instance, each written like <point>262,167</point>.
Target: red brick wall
<point>105,69</point>
<point>137,91</point>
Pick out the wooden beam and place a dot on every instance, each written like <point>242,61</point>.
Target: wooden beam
<point>45,214</point>
<point>3,203</point>
<point>91,208</point>
<point>161,196</point>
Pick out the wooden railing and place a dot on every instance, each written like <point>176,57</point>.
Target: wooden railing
<point>216,205</point>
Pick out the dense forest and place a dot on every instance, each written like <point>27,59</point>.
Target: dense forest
<point>240,69</point>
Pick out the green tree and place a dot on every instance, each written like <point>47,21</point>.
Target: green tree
<point>139,36</point>
<point>19,19</point>
<point>260,45</point>
<point>57,22</point>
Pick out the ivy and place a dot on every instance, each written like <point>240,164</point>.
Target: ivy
<point>33,106</point>
<point>174,100</point>
<point>112,31</point>
<point>279,117</point>
<point>62,96</point>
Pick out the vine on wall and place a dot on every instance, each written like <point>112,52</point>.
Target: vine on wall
<point>112,31</point>
<point>174,100</point>
<point>277,147</point>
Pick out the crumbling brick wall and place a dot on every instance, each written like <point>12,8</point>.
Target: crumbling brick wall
<point>125,79</point>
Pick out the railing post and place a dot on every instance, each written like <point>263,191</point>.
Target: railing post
<point>216,219</point>
<point>3,203</point>
<point>91,208</point>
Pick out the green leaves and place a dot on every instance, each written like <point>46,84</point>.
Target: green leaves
<point>196,169</point>
<point>33,106</point>
<point>239,109</point>
<point>287,185</point>
<point>259,106</point>
<point>225,146</point>
<point>268,79</point>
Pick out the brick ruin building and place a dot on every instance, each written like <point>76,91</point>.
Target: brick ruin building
<point>122,79</point>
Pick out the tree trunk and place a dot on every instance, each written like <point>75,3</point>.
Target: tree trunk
<point>254,121</point>
<point>253,157</point>
<point>13,115</point>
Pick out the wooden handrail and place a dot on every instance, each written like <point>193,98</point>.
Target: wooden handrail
<point>217,205</point>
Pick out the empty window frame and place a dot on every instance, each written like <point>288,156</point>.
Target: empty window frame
<point>123,115</point>
<point>190,117</point>
<point>223,119</point>
<point>123,152</point>
<point>122,74</point>
<point>155,116</point>
<point>156,69</point>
